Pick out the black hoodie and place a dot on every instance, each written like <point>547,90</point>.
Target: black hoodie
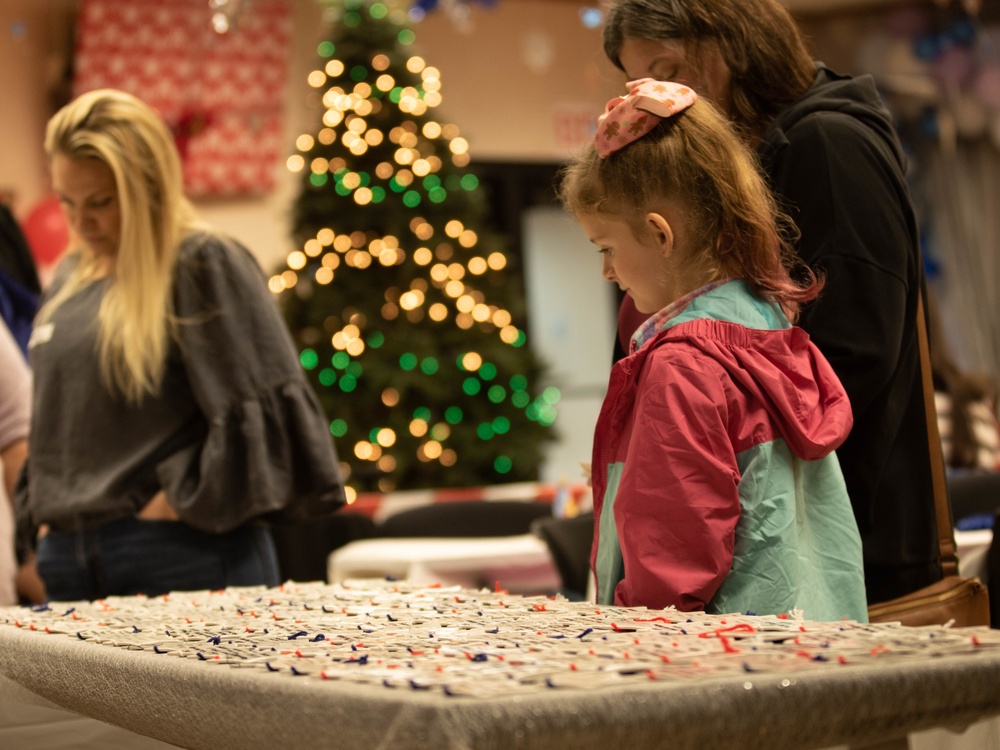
<point>837,168</point>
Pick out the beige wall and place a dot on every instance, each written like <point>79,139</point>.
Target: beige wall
<point>33,41</point>
<point>522,67</point>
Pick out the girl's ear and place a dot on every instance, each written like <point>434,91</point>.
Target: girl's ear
<point>661,232</point>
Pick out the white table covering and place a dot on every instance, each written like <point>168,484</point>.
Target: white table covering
<point>387,664</point>
<point>521,564</point>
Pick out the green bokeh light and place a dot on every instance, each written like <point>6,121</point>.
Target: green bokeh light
<point>503,465</point>
<point>309,358</point>
<point>488,371</point>
<point>359,73</point>
<point>551,395</point>
<point>376,339</point>
<point>429,366</point>
<point>326,49</point>
<point>406,37</point>
<point>348,383</point>
<point>471,386</point>
<point>546,415</point>
<point>327,376</point>
<point>520,399</point>
<point>496,394</point>
<point>378,10</point>
<point>408,361</point>
<point>338,428</point>
<point>340,360</point>
<point>519,383</point>
<point>453,415</point>
<point>501,425</point>
<point>422,412</point>
<point>470,182</point>
<point>485,431</point>
<point>411,199</point>
<point>319,179</point>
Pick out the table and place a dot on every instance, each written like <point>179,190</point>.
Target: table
<point>387,664</point>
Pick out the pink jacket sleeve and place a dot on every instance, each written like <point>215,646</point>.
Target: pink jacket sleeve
<point>678,503</point>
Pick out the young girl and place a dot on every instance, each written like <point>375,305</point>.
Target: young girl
<point>715,482</point>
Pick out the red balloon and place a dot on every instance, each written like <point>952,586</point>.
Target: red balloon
<point>46,230</point>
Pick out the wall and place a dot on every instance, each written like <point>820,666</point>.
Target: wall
<point>33,37</point>
<point>573,325</point>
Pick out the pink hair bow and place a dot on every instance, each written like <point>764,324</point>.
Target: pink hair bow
<point>628,118</point>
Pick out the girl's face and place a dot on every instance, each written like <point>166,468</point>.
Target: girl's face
<point>700,66</point>
<point>642,268</point>
<point>89,199</point>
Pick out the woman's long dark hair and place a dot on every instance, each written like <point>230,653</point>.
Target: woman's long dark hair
<point>758,39</point>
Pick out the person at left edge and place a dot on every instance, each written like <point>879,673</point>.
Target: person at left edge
<point>171,419</point>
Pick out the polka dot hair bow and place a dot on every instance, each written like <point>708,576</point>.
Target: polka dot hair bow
<point>628,118</point>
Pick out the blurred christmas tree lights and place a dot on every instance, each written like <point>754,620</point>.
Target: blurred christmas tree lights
<point>406,309</point>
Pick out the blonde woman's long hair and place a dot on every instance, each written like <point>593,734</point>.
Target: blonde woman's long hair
<point>136,319</point>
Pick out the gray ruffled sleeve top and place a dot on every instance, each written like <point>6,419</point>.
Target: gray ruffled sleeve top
<point>235,434</point>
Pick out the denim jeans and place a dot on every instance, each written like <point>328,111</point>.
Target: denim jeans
<point>133,556</point>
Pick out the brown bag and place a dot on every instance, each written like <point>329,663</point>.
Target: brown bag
<point>962,601</point>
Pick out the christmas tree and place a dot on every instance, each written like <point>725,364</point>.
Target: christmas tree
<point>407,312</point>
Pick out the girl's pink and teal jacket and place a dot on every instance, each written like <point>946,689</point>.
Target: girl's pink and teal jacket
<point>716,485</point>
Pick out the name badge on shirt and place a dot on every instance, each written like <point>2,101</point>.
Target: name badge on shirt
<point>41,334</point>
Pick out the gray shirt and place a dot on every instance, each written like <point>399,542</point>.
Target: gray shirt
<point>236,432</point>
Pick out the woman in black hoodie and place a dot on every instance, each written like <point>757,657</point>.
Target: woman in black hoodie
<point>828,148</point>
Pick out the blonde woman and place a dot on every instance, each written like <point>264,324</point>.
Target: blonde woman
<point>171,419</point>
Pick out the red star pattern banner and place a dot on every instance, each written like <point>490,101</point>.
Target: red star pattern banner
<point>221,94</point>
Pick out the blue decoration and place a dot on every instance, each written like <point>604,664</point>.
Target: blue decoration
<point>420,8</point>
<point>927,47</point>
<point>962,32</point>
<point>591,17</point>
<point>929,122</point>
<point>932,268</point>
